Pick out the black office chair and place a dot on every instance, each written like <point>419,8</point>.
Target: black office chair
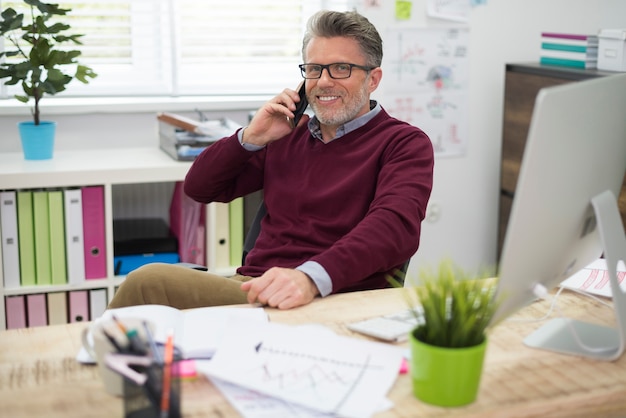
<point>400,274</point>
<point>253,233</point>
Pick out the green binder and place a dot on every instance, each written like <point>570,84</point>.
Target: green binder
<point>56,219</point>
<point>235,229</point>
<point>26,237</point>
<point>41,227</point>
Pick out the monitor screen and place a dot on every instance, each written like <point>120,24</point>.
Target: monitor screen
<point>575,151</point>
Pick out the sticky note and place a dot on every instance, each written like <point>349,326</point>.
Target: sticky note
<point>404,366</point>
<point>186,369</point>
<point>403,9</point>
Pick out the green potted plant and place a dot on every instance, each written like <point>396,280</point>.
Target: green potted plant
<point>454,309</point>
<point>34,55</point>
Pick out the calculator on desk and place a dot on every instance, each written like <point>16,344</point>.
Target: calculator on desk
<point>394,327</point>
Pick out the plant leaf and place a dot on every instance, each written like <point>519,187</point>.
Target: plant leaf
<point>457,306</point>
<point>41,71</point>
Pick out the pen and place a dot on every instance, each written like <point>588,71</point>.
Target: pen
<point>119,324</point>
<point>153,347</point>
<point>167,375</point>
<point>112,340</point>
<point>136,345</point>
<point>115,336</point>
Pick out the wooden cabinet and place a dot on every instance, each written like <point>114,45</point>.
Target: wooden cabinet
<point>522,83</point>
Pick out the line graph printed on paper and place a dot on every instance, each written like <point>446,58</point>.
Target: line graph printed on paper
<point>321,378</point>
<point>307,365</point>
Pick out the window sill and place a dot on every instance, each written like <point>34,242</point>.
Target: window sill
<point>82,105</point>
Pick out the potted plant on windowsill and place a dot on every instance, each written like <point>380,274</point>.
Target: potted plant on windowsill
<point>34,56</point>
<point>448,345</point>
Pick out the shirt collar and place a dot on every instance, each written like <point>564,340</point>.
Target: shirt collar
<point>346,128</point>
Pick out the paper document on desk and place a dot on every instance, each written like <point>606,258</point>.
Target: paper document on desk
<point>594,279</point>
<point>308,367</point>
<point>197,331</point>
<point>252,404</point>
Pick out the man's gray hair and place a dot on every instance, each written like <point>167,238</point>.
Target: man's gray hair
<point>329,24</point>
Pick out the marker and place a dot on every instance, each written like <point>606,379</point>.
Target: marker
<point>167,375</point>
<point>136,345</point>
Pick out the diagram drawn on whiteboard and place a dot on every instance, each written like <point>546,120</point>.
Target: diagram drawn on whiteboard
<point>426,84</point>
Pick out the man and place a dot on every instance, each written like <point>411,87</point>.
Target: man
<point>345,191</point>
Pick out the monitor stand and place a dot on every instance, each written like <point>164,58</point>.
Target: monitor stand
<point>598,342</point>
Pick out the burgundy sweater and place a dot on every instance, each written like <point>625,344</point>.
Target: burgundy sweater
<point>354,205</point>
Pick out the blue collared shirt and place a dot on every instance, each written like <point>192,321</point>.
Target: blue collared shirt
<point>314,123</point>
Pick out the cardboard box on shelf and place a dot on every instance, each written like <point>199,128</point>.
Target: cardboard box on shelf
<point>612,50</point>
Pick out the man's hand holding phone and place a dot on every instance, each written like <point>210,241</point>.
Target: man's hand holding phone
<point>275,119</point>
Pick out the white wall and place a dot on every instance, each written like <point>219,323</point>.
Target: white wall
<point>93,126</point>
<point>466,188</point>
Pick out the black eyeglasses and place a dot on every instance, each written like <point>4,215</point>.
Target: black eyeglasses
<point>336,70</point>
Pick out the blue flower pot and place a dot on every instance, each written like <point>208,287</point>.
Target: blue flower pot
<point>37,140</point>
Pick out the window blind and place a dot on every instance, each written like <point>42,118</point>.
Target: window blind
<point>187,47</point>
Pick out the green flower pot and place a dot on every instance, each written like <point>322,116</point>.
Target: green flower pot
<point>37,140</point>
<point>446,376</point>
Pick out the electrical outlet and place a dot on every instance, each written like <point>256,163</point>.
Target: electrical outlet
<point>433,211</point>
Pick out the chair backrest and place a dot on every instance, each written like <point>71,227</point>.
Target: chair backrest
<point>400,274</point>
<point>253,233</point>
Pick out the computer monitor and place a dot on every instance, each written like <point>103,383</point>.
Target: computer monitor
<point>564,213</point>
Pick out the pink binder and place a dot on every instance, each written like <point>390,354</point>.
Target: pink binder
<point>94,232</point>
<point>187,220</point>
<point>37,311</point>
<point>16,312</point>
<point>79,306</point>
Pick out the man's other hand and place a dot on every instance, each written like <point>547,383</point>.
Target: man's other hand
<point>281,288</point>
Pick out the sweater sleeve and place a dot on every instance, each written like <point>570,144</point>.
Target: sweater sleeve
<point>225,171</point>
<point>389,233</point>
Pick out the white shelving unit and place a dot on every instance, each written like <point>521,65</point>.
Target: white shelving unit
<point>105,167</point>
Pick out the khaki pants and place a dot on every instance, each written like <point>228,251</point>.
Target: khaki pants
<point>178,286</point>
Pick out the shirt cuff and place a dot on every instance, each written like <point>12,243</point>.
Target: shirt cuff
<point>249,147</point>
<point>318,274</point>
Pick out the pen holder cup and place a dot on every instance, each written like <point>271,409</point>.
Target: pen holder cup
<point>102,338</point>
<point>145,401</point>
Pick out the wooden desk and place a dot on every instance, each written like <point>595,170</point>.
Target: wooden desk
<point>39,376</point>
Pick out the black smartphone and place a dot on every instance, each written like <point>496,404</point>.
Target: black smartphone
<point>300,106</point>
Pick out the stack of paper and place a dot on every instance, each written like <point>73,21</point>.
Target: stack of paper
<point>307,370</point>
<point>594,278</point>
<point>197,332</point>
<point>184,138</point>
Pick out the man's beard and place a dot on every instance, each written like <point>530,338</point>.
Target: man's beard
<point>347,113</point>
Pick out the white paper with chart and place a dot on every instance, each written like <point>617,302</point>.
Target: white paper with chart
<point>307,366</point>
